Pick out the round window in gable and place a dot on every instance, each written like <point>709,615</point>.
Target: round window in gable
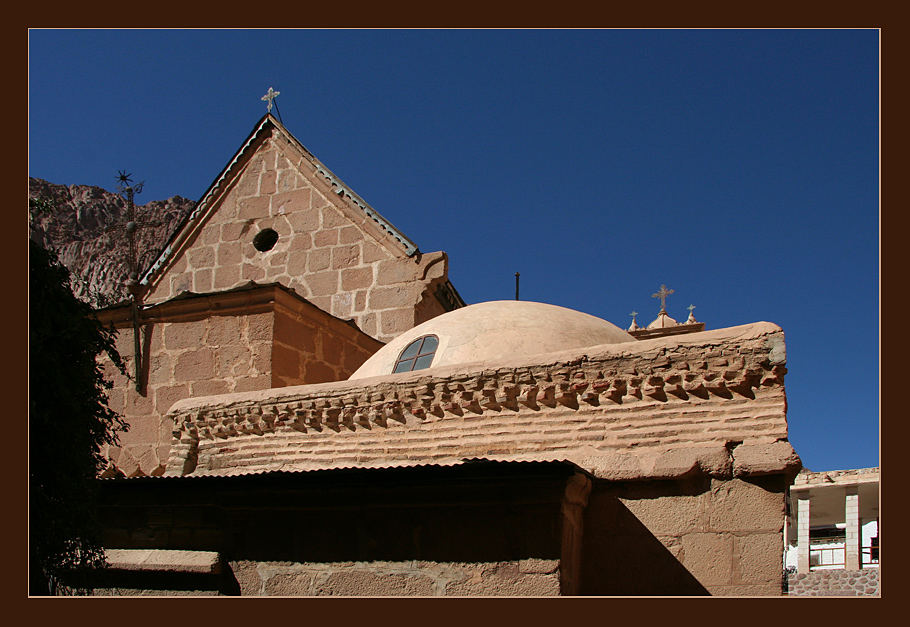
<point>265,240</point>
<point>418,354</point>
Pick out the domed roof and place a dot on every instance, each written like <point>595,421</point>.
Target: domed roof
<point>496,330</point>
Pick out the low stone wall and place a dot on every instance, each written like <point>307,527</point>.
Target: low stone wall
<point>530,577</point>
<point>697,536</point>
<point>835,583</point>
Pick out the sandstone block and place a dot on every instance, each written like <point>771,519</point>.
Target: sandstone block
<point>292,202</point>
<point>394,271</point>
<point>250,272</point>
<point>269,158</point>
<point>262,357</point>
<point>180,265</point>
<point>323,283</point>
<point>195,365</point>
<point>297,262</point>
<point>289,585</point>
<point>741,506</point>
<point>201,257</point>
<point>319,259</point>
<point>300,241</point>
<point>373,252</point>
<point>762,459</point>
<point>181,283</point>
<point>247,576</point>
<point>248,185</point>
<point>749,590</point>
<point>166,560</point>
<point>669,515</point>
<point>368,583</point>
<point>232,361</point>
<point>325,237</point>
<point>318,372</point>
<point>539,566</point>
<point>369,324</point>
<point>758,558</point>
<point>288,179</point>
<point>285,362</point>
<point>147,456</point>
<point>303,219</point>
<point>395,321</point>
<point>353,359</point>
<point>229,253</point>
<point>332,217</point>
<point>394,297</point>
<point>267,183</point>
<point>202,281</point>
<point>160,369</point>
<point>343,305</point>
<point>356,278</point>
<point>250,384</point>
<point>137,405</point>
<point>295,333</point>
<point>168,395</point>
<point>209,388</point>
<point>259,327</point>
<point>323,302</point>
<point>505,580</point>
<point>227,276</point>
<point>349,235</point>
<point>709,557</point>
<point>223,330</point>
<point>127,463</point>
<point>253,207</point>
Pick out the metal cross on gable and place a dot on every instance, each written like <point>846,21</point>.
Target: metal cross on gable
<point>269,97</point>
<point>690,308</point>
<point>662,294</point>
<point>633,314</point>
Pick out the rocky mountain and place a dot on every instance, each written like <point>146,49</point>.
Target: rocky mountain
<point>85,226</point>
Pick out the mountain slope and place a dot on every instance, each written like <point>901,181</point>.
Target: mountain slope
<point>85,227</point>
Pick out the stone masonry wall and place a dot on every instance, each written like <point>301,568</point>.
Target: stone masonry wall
<point>247,340</point>
<point>704,536</point>
<point>214,355</point>
<point>306,352</point>
<point>328,250</point>
<point>529,577</point>
<point>839,583</point>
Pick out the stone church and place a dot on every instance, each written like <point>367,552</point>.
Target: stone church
<point>315,410</point>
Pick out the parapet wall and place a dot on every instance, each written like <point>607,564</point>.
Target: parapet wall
<point>714,403</point>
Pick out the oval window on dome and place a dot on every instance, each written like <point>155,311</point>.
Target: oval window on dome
<point>417,355</point>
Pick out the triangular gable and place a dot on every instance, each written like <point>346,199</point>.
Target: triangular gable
<point>330,246</point>
<point>230,170</point>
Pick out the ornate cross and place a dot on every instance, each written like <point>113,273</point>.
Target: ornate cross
<point>633,314</point>
<point>662,295</point>
<point>690,308</point>
<point>270,96</point>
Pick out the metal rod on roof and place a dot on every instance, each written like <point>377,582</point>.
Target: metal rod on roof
<point>516,285</point>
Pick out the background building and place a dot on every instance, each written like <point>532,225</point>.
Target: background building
<point>832,534</point>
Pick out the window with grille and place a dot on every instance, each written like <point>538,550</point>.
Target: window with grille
<point>417,355</point>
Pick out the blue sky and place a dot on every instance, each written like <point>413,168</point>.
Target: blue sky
<point>738,167</point>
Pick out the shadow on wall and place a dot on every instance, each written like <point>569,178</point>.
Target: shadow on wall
<point>621,557</point>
